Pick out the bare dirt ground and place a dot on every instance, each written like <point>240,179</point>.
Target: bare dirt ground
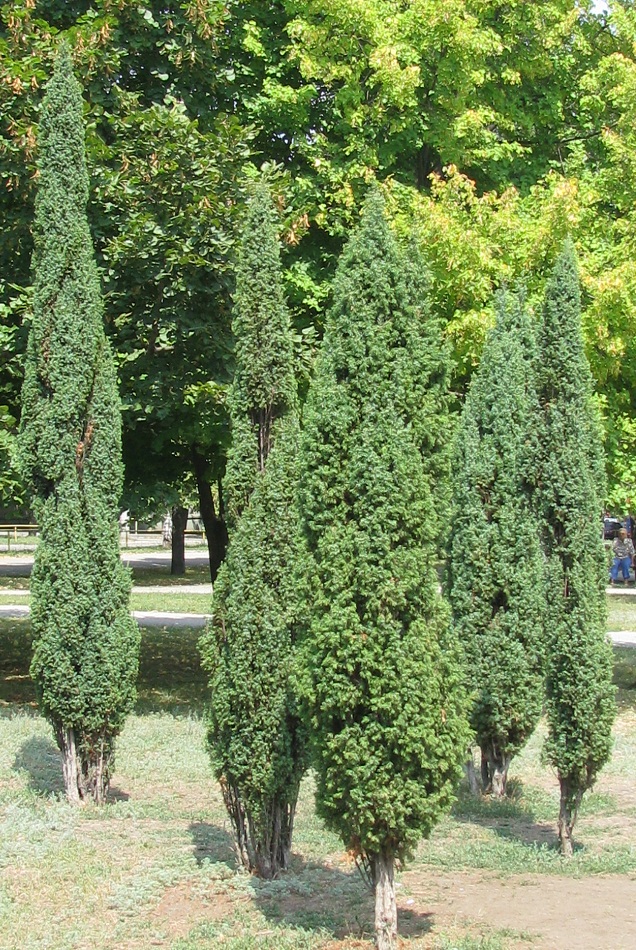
<point>551,913</point>
<point>532,911</point>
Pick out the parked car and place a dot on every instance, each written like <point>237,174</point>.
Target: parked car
<point>611,527</point>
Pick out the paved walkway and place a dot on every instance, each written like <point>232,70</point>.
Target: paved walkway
<point>165,589</point>
<point>151,618</point>
<point>146,618</point>
<point>20,566</point>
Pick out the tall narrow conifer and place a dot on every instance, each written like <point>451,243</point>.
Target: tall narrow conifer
<point>496,567</point>
<point>580,696</point>
<point>383,684</point>
<point>256,739</point>
<point>85,643</point>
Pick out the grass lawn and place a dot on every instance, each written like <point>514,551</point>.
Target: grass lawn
<point>161,577</point>
<point>155,866</point>
<point>621,612</point>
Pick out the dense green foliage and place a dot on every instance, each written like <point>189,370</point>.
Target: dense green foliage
<point>502,127</point>
<point>496,570</point>
<point>580,697</point>
<point>86,644</point>
<point>256,739</point>
<point>383,686</point>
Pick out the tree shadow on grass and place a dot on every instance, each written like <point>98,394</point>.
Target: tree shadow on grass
<point>40,758</point>
<point>170,676</point>
<point>212,844</point>
<point>512,817</point>
<point>16,685</point>
<point>321,897</point>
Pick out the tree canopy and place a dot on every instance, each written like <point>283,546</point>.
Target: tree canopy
<point>497,127</point>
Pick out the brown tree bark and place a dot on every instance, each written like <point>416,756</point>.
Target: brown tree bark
<point>70,765</point>
<point>568,811</point>
<point>471,774</point>
<point>263,847</point>
<point>213,522</point>
<point>486,782</point>
<point>498,765</point>
<point>383,866</point>
<point>179,522</point>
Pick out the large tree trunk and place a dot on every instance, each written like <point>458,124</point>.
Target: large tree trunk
<point>568,811</point>
<point>96,771</point>
<point>383,866</point>
<point>215,529</point>
<point>88,777</point>
<point>179,522</point>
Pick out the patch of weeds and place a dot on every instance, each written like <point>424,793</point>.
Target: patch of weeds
<point>621,612</point>
<point>469,943</point>
<point>211,936</point>
<point>12,582</point>
<point>597,803</point>
<point>170,675</point>
<point>503,850</point>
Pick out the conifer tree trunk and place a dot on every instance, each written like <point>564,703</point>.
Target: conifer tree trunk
<point>386,925</point>
<point>71,767</point>
<point>568,810</point>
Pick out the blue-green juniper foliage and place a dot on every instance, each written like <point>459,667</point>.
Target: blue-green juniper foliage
<point>383,682</point>
<point>85,642</point>
<point>255,735</point>
<point>496,566</point>
<point>570,491</point>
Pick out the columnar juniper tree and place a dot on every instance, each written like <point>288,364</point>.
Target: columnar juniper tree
<point>85,643</point>
<point>384,690</point>
<point>255,736</point>
<point>496,568</point>
<point>580,697</point>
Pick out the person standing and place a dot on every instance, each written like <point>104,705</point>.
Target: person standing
<point>623,550</point>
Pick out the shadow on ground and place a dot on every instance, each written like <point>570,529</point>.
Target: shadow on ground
<point>513,817</point>
<point>40,759</point>
<point>324,898</point>
<point>170,675</point>
<point>212,844</point>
